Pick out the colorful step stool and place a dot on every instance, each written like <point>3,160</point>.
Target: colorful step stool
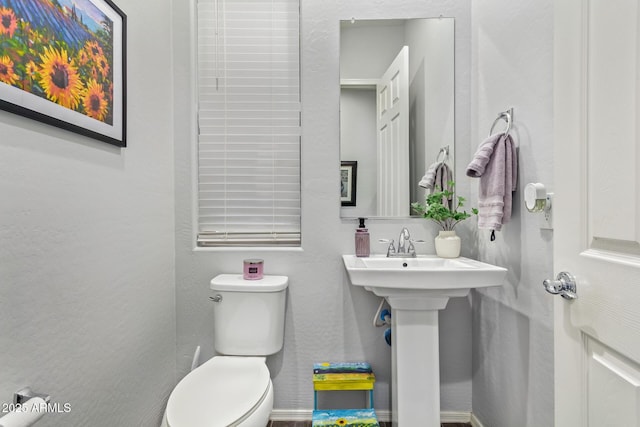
<point>343,376</point>
<point>344,417</point>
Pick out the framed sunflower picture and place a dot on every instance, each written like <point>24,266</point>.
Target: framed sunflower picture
<point>62,62</point>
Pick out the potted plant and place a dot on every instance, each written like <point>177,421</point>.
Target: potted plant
<point>443,208</point>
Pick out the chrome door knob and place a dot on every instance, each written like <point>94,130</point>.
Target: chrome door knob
<point>564,285</point>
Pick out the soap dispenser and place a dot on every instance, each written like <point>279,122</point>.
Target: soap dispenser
<point>362,240</point>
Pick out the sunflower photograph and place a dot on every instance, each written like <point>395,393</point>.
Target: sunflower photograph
<point>68,56</point>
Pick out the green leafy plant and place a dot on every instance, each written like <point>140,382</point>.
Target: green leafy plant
<point>443,207</point>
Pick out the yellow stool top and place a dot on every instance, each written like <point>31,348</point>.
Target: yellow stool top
<point>357,381</point>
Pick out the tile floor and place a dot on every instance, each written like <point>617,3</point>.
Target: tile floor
<point>382,424</point>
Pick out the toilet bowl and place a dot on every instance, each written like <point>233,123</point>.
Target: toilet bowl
<point>234,389</point>
<point>225,391</point>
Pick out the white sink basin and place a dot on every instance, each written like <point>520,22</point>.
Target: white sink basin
<point>416,288</point>
<point>425,272</point>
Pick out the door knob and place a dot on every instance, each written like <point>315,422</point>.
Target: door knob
<point>564,285</point>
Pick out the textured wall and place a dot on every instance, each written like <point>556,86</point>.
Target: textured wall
<point>513,325</point>
<point>87,297</point>
<point>327,319</point>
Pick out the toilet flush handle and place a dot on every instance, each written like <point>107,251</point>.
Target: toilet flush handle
<point>217,298</point>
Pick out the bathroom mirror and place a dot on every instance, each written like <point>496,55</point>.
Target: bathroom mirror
<point>396,111</point>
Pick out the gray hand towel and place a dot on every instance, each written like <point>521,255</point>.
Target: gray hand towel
<point>496,164</point>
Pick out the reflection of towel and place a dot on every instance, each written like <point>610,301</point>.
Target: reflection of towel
<point>438,175</point>
<point>496,164</point>
<point>443,177</point>
<point>429,177</point>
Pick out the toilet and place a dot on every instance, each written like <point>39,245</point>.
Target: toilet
<point>234,389</point>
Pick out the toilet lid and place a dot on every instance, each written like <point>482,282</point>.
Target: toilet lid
<point>218,393</point>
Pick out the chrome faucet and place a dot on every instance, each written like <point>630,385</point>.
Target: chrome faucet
<point>405,246</point>
<point>402,242</point>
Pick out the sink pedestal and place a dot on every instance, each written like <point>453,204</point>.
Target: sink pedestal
<point>415,359</point>
<point>417,369</point>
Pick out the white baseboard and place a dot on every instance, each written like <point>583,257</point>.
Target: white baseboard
<point>383,415</point>
<point>455,417</point>
<point>291,414</point>
<point>475,422</point>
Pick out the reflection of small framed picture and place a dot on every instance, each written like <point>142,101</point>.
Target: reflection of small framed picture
<point>348,177</point>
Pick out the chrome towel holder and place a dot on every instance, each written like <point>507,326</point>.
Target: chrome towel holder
<point>506,116</point>
<point>445,152</point>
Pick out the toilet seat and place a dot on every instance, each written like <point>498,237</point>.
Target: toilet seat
<point>220,393</point>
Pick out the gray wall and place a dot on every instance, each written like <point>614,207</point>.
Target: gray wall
<point>327,319</point>
<point>87,296</point>
<point>512,326</point>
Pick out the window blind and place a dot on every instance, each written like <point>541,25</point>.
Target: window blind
<point>249,122</point>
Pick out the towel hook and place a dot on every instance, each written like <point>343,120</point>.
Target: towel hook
<point>506,116</point>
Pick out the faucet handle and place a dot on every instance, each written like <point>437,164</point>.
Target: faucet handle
<point>391,249</point>
<point>411,251</point>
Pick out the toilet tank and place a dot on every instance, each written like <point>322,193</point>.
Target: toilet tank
<point>249,315</point>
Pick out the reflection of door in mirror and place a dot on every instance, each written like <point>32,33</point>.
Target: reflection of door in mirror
<point>367,48</point>
<point>392,113</point>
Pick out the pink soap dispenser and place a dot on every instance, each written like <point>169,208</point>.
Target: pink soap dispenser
<point>362,240</point>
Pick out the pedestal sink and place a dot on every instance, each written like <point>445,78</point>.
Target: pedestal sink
<point>416,288</point>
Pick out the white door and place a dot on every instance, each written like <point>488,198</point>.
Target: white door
<point>597,212</point>
<point>393,137</point>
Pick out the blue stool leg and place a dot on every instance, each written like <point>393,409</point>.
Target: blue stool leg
<point>315,399</point>
<point>371,399</point>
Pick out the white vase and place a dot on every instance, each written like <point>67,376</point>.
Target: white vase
<point>448,244</point>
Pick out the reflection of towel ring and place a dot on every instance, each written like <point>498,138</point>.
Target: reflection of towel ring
<point>506,116</point>
<point>445,157</point>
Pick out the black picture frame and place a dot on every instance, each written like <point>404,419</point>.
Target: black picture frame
<point>63,63</point>
<point>348,182</point>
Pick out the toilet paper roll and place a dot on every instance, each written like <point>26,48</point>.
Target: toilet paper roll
<point>26,415</point>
